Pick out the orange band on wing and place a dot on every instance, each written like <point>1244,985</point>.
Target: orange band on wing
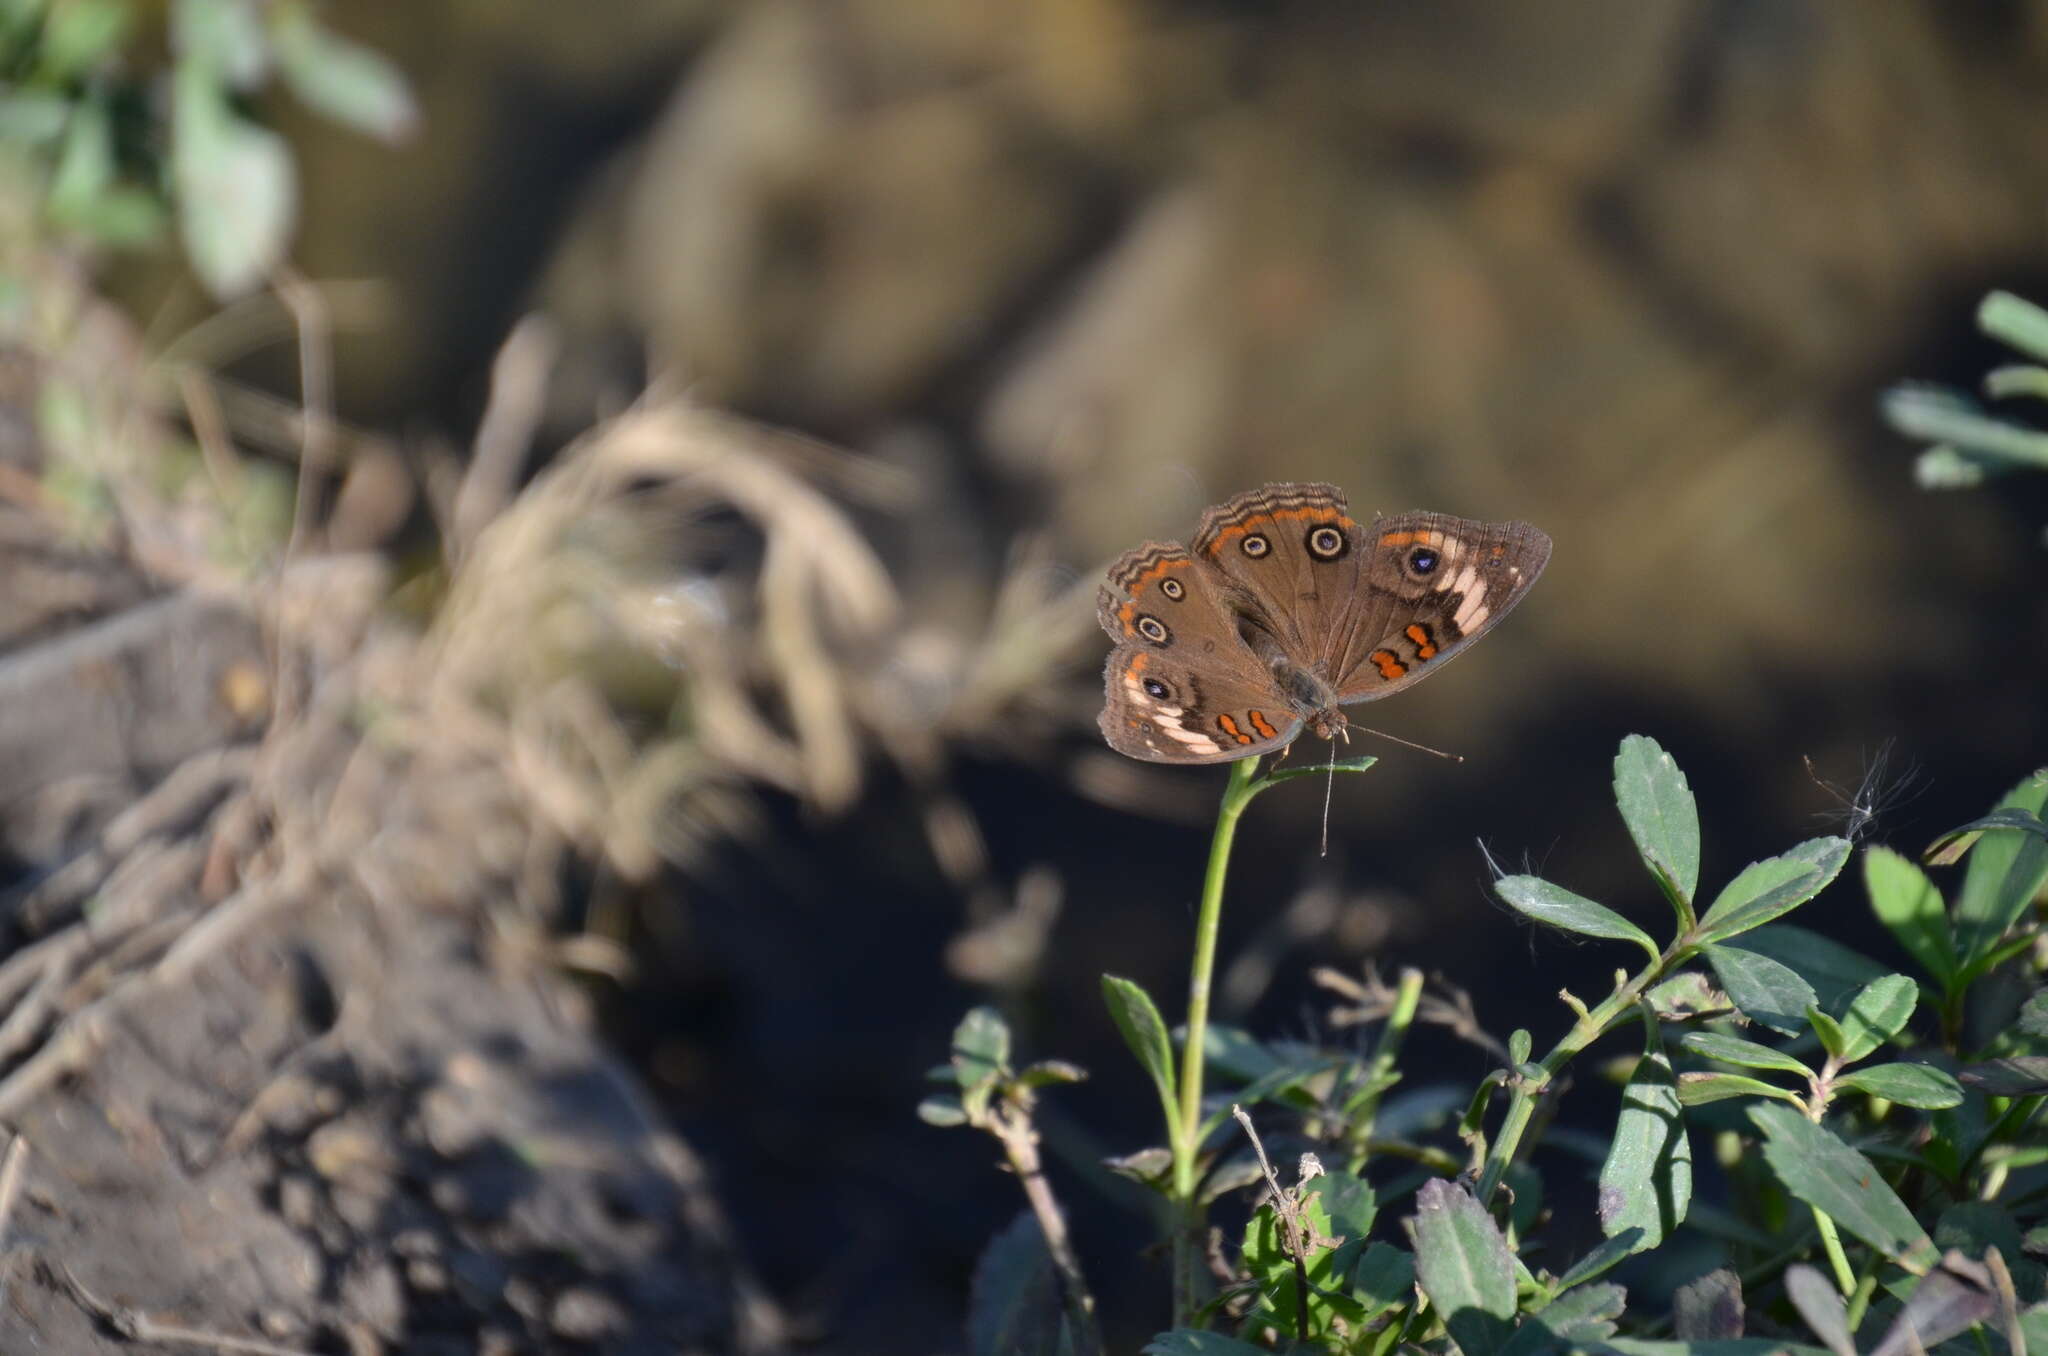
<point>1425,647</point>
<point>1300,515</point>
<point>1388,663</point>
<point>1165,564</point>
<point>1259,723</point>
<point>1229,727</point>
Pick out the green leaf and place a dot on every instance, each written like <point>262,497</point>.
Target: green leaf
<point>236,189</point>
<point>226,36</point>
<point>1150,1166</point>
<point>1560,908</point>
<point>1341,765</point>
<point>1266,1256</point>
<point>1835,972</point>
<point>2019,1076</point>
<point>1920,1085</point>
<point>1747,1054</point>
<point>1235,1053</point>
<point>1383,1277</point>
<point>1600,1260</point>
<point>1816,1166</point>
<point>1658,808</point>
<point>943,1110</point>
<point>1049,1071</point>
<point>1978,1226</point>
<point>1911,908</point>
<point>1832,1038</point>
<point>1698,1089</point>
<point>1013,1308</point>
<point>79,34</point>
<point>1464,1266</point>
<point>85,165</point>
<point>1190,1342</point>
<point>981,1053</point>
<point>1579,1319</point>
<point>2033,1018</point>
<point>1877,1014</point>
<point>1646,1182</point>
<point>33,116</point>
<point>1763,990</point>
<point>1772,888</point>
<point>2006,868</point>
<point>2015,322</point>
<point>1145,1033</point>
<point>342,79</point>
<point>1951,847</point>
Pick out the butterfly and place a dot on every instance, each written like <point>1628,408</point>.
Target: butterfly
<point>1283,610</point>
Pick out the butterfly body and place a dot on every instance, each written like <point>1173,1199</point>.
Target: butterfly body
<point>1283,609</point>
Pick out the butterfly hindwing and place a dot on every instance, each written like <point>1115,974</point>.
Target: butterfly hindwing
<point>1181,686</point>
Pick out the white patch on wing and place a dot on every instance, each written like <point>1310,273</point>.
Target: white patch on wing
<point>1472,609</point>
<point>1168,720</point>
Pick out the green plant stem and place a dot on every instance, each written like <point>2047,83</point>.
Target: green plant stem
<point>1619,1006</point>
<point>1859,1303</point>
<point>1401,1016</point>
<point>1831,1244</point>
<point>1184,1134</point>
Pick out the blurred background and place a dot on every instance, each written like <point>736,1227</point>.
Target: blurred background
<point>787,372</point>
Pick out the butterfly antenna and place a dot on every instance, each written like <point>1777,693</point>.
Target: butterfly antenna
<point>1329,790</point>
<point>1420,748</point>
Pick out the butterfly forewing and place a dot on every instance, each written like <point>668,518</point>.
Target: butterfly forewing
<point>1290,553</point>
<point>1431,585</point>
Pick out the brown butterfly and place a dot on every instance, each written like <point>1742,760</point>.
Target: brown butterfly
<point>1283,610</point>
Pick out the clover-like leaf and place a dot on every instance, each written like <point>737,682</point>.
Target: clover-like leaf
<point>1772,888</point>
<point>237,190</point>
<point>1818,1167</point>
<point>1658,808</point>
<point>1463,1264</point>
<point>1698,1089</point>
<point>1912,910</point>
<point>981,1053</point>
<point>1144,1031</point>
<point>341,79</point>
<point>1646,1182</point>
<point>1560,908</point>
<point>1918,1085</point>
<point>1762,989</point>
<point>2018,1076</point>
<point>2007,868</point>
<point>1877,1014</point>
<point>1747,1054</point>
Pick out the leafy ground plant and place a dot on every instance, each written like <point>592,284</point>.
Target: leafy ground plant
<point>83,119</point>
<point>1852,1153</point>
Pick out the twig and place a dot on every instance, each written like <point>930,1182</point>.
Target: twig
<point>519,383</point>
<point>1012,1125</point>
<point>26,1019</point>
<point>137,1326</point>
<point>316,446</point>
<point>1301,1235</point>
<point>12,1170</point>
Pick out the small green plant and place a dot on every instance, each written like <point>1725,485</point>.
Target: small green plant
<point>80,121</point>
<point>1884,1123</point>
<point>1968,442</point>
